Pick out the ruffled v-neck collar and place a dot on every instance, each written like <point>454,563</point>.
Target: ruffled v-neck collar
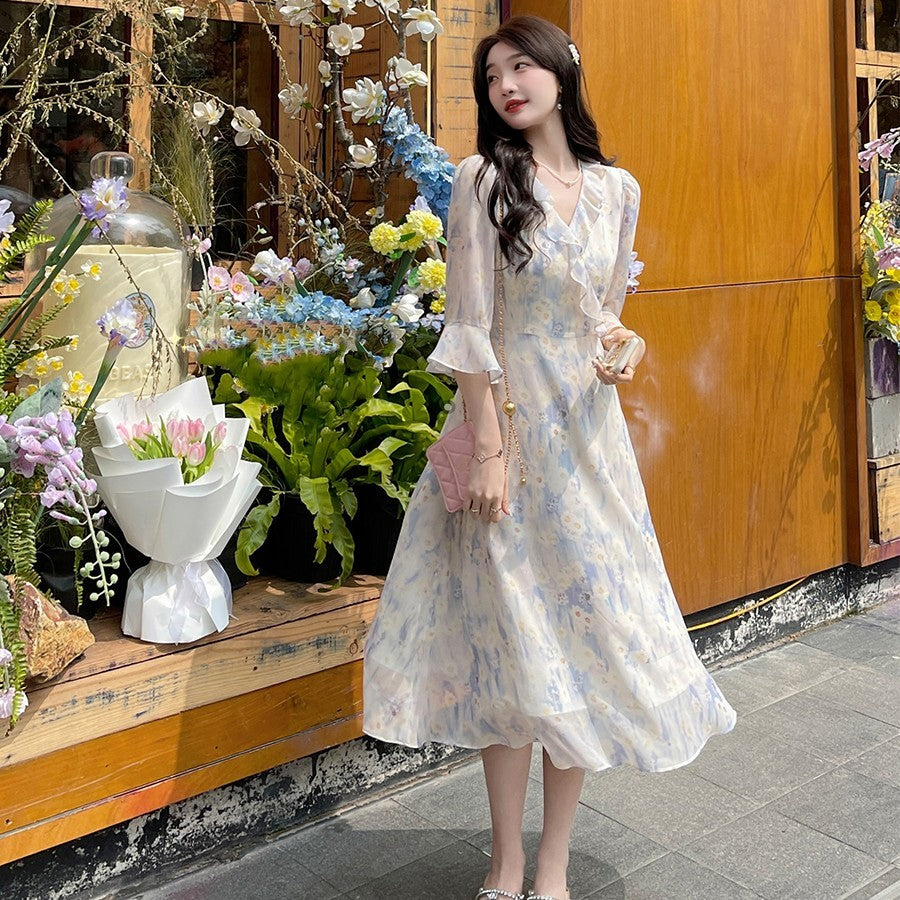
<point>591,202</point>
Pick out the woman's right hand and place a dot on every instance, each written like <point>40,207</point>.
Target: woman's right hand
<point>487,490</point>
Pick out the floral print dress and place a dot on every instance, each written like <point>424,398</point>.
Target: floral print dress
<point>558,624</point>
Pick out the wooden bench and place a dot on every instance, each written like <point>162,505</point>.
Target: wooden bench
<point>132,727</point>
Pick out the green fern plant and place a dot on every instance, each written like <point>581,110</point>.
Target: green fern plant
<point>27,235</point>
<point>13,674</point>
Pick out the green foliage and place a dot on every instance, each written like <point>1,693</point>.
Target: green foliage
<point>317,428</point>
<point>13,675</point>
<point>25,237</point>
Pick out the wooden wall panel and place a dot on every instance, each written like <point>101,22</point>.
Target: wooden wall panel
<point>465,23</point>
<point>556,11</point>
<point>737,424</point>
<point>725,114</point>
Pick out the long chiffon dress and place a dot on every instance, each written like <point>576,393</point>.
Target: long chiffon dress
<point>558,624</point>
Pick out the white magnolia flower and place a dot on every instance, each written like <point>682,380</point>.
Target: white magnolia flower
<point>406,308</point>
<point>402,72</point>
<point>387,6</point>
<point>270,266</point>
<point>292,98</point>
<point>174,13</point>
<point>365,299</point>
<point>366,100</point>
<point>325,72</point>
<point>363,155</point>
<point>247,125</point>
<point>299,13</point>
<point>343,39</point>
<point>207,114</point>
<point>347,7</point>
<point>425,21</point>
<point>7,219</point>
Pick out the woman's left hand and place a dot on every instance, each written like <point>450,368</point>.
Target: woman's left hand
<point>612,337</point>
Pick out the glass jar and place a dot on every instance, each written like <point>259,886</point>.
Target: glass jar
<point>148,264</point>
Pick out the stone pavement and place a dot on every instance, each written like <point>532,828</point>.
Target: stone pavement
<point>801,800</point>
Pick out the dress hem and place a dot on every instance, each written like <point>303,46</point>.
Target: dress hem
<point>678,765</point>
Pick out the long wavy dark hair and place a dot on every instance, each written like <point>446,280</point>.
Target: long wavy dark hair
<point>506,147</point>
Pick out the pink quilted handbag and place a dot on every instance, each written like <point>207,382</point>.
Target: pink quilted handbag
<point>450,457</point>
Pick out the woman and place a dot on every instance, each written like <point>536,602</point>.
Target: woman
<point>543,612</point>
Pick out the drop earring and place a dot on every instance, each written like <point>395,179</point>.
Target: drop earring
<point>559,103</point>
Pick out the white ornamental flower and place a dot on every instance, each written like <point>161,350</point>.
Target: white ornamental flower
<point>292,98</point>
<point>425,21</point>
<point>174,13</point>
<point>343,39</point>
<point>207,114</point>
<point>406,308</point>
<point>325,72</point>
<point>401,72</point>
<point>365,299</point>
<point>247,125</point>
<point>363,155</point>
<point>347,7</point>
<point>299,13</point>
<point>268,264</point>
<point>366,100</point>
<point>387,6</point>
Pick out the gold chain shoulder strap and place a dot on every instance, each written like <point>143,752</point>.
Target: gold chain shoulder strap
<point>508,406</point>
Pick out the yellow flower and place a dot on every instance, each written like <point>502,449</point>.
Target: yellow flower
<point>68,298</point>
<point>437,305</point>
<point>59,283</point>
<point>873,310</point>
<point>27,390</point>
<point>40,370</point>
<point>427,225</point>
<point>73,284</point>
<point>73,343</point>
<point>433,274</point>
<point>5,244</point>
<point>384,238</point>
<point>867,279</point>
<point>893,314</point>
<point>92,270</point>
<point>56,363</point>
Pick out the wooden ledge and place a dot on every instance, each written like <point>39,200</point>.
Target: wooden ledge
<point>131,727</point>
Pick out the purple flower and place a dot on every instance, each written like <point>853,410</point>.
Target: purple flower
<point>881,146</point>
<point>119,323</point>
<point>6,218</point>
<point>5,657</point>
<point>106,198</point>
<point>888,257</point>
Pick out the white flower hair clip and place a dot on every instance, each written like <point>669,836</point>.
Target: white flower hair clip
<point>576,56</point>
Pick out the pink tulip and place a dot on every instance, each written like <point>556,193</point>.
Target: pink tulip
<point>195,429</point>
<point>175,428</point>
<point>124,432</point>
<point>196,453</point>
<point>219,432</point>
<point>180,446</point>
<point>141,429</point>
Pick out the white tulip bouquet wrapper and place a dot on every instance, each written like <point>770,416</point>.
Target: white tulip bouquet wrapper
<point>183,594</point>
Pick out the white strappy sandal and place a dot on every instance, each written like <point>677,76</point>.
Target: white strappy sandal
<point>532,896</point>
<point>497,893</point>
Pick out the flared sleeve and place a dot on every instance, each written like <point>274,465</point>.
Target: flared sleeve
<point>465,341</point>
<point>614,299</point>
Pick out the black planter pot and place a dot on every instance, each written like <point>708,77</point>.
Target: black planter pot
<point>289,550</point>
<point>56,566</point>
<point>375,529</point>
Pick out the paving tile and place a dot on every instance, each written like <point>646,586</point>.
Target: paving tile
<point>866,690</point>
<point>757,765</point>
<point>454,872</point>
<point>671,808</point>
<point>358,846</point>
<point>261,874</point>
<point>601,849</point>
<point>877,886</point>
<point>853,808</point>
<point>886,614</point>
<point>457,801</point>
<point>786,669</point>
<point>882,762</point>
<point>748,690</point>
<point>825,729</point>
<point>674,875</point>
<point>853,638</point>
<point>782,859</point>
